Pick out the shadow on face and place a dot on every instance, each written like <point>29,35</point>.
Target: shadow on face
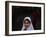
<point>27,23</point>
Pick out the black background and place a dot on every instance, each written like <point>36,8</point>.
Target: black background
<point>18,14</point>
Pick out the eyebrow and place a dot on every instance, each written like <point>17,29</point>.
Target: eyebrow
<point>26,20</point>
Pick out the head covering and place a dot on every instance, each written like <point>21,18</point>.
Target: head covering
<point>30,27</point>
<point>27,18</point>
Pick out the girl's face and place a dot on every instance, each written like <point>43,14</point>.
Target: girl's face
<point>26,23</point>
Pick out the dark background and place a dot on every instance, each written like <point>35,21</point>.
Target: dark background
<point>18,14</point>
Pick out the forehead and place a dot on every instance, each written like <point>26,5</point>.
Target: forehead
<point>27,20</point>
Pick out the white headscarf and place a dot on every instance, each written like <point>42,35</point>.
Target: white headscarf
<point>30,27</point>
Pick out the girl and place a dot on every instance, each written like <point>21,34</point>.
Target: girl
<point>27,24</point>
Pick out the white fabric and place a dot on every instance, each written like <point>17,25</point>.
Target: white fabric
<point>30,27</point>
